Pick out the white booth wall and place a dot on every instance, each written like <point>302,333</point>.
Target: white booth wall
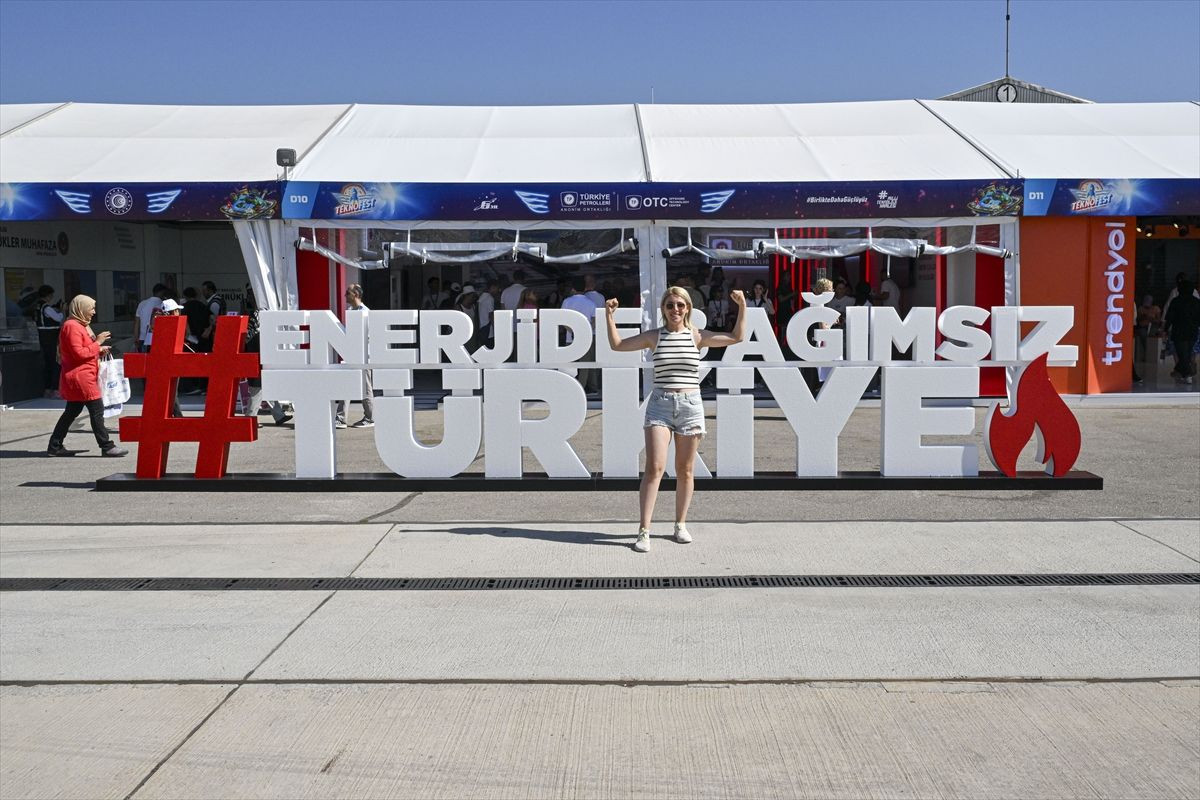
<point>117,263</point>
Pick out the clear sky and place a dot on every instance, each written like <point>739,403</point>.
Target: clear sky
<point>509,53</point>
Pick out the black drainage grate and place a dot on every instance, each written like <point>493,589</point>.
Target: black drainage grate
<point>565,584</point>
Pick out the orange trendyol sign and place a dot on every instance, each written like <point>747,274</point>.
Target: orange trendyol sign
<point>1110,305</point>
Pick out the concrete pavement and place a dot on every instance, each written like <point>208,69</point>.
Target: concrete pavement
<point>1052,691</point>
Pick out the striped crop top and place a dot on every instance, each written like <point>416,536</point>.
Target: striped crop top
<point>676,360</point>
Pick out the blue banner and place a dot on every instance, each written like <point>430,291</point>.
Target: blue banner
<point>143,202</point>
<point>1111,197</point>
<point>616,202</point>
<point>649,201</point>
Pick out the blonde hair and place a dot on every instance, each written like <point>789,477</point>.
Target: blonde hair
<point>682,294</point>
<point>822,286</point>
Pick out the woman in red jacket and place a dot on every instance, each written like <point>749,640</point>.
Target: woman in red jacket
<point>80,349</point>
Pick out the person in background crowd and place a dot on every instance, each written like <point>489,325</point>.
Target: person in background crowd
<point>354,304</point>
<point>578,300</point>
<point>48,317</point>
<point>821,286</point>
<point>1179,279</point>
<point>79,350</point>
<point>196,312</point>
<point>451,297</point>
<point>589,290</point>
<point>510,298</point>
<point>759,299</point>
<point>560,293</point>
<point>170,308</point>
<point>675,409</point>
<point>718,310</point>
<point>889,292</point>
<point>253,400</point>
<point>1182,326</point>
<point>862,294</point>
<point>703,275</point>
<point>841,299</point>
<point>468,304</point>
<point>716,281</point>
<point>434,296</point>
<point>216,309</point>
<point>688,284</point>
<point>529,299</point>
<point>862,297</point>
<point>486,306</point>
<point>145,311</point>
<point>1148,318</point>
<point>197,322</point>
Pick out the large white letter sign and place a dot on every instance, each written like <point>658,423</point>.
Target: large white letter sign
<point>906,420</point>
<point>393,337</point>
<point>507,431</point>
<point>759,341</point>
<point>280,338</point>
<point>313,394</point>
<point>551,320</point>
<point>735,426</point>
<point>622,425</point>
<point>462,426</point>
<point>445,332</point>
<point>817,421</point>
<point>966,342</point>
<point>331,339</point>
<point>917,330</point>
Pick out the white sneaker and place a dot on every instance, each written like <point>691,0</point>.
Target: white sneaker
<point>681,533</point>
<point>364,423</point>
<point>642,545</point>
<point>339,423</point>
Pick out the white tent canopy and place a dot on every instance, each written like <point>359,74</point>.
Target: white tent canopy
<point>1083,140</point>
<point>94,143</point>
<point>14,115</point>
<point>892,140</point>
<point>476,144</point>
<point>889,140</point>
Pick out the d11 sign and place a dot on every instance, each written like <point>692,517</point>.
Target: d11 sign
<point>313,360</point>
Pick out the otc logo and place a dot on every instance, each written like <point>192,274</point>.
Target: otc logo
<point>118,201</point>
<point>354,198</point>
<point>488,202</point>
<point>159,202</point>
<point>1091,196</point>
<point>78,202</point>
<point>885,200</point>
<point>711,202</point>
<point>536,202</point>
<point>633,202</point>
<point>568,199</point>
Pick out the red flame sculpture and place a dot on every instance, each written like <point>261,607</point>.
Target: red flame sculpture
<point>1036,406</point>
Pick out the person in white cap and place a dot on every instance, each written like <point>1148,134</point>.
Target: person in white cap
<point>170,308</point>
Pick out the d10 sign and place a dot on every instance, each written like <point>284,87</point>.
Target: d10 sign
<point>312,360</point>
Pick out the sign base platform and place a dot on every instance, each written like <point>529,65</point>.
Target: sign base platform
<point>539,482</point>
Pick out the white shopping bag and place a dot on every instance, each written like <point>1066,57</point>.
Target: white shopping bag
<point>114,386</point>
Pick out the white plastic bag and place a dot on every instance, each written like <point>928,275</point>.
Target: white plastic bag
<point>114,386</point>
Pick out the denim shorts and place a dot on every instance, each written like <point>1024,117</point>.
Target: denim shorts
<point>679,412</point>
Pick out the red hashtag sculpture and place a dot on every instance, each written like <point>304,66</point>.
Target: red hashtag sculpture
<point>162,368</point>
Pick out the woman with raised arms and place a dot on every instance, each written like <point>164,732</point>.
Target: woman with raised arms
<point>675,407</point>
